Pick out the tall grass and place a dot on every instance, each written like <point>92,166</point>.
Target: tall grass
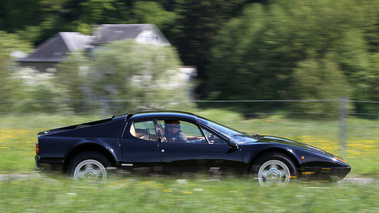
<point>180,195</point>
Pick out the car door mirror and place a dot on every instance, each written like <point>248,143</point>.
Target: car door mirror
<point>233,145</point>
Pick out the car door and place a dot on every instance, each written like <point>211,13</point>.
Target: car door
<point>203,151</point>
<point>140,148</point>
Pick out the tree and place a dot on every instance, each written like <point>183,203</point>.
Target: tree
<point>35,91</point>
<point>197,24</point>
<point>262,51</point>
<point>367,88</point>
<point>319,79</point>
<point>11,43</point>
<point>97,11</point>
<point>41,19</point>
<point>15,14</point>
<point>138,74</point>
<point>368,83</point>
<point>71,80</point>
<point>152,13</point>
<point>7,86</point>
<point>11,89</point>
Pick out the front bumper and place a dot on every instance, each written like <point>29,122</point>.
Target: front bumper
<point>325,173</point>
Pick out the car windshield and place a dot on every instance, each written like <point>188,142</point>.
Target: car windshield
<point>239,137</point>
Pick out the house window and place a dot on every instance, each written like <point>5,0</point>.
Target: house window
<point>147,37</point>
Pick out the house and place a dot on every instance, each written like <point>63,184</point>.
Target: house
<point>141,33</point>
<point>55,49</point>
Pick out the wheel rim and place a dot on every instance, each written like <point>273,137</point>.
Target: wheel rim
<point>90,170</point>
<point>274,172</point>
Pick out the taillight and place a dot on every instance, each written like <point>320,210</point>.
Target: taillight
<point>37,149</point>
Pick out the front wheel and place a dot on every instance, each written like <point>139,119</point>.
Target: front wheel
<point>274,168</point>
<point>89,166</point>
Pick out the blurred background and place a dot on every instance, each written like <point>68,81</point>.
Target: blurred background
<point>257,65</point>
<point>307,70</point>
<point>122,55</point>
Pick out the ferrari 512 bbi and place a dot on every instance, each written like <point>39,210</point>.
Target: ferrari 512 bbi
<point>172,142</point>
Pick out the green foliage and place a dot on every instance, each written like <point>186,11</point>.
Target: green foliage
<point>122,76</point>
<point>38,98</point>
<point>15,14</point>
<point>42,19</point>
<point>197,24</point>
<point>8,86</point>
<point>269,48</point>
<point>319,79</point>
<point>371,27</point>
<point>25,90</point>
<point>152,13</point>
<point>367,86</point>
<point>12,42</point>
<point>22,90</point>
<point>256,55</point>
<point>71,79</point>
<point>35,91</point>
<point>126,70</point>
<point>96,11</point>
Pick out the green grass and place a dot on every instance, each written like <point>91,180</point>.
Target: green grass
<point>157,194</point>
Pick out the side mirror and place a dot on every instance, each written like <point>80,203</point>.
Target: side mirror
<point>233,145</point>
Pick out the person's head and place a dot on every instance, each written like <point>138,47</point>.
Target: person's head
<point>173,126</point>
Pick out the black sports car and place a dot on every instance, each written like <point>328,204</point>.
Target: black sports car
<point>171,142</point>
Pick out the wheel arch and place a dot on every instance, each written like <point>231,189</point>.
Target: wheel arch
<point>284,151</point>
<point>85,148</point>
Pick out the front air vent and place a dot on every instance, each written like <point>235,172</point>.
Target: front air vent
<point>316,149</point>
<point>55,131</point>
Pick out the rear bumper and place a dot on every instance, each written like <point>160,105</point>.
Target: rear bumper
<point>48,166</point>
<point>325,173</point>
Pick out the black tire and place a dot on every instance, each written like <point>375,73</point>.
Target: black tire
<point>274,168</point>
<point>88,166</point>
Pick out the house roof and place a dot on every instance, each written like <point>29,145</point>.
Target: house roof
<point>108,33</point>
<point>56,48</point>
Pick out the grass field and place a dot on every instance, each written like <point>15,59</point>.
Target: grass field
<point>157,194</point>
<point>18,135</point>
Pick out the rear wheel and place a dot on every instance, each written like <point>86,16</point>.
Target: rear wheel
<point>89,166</point>
<point>274,168</point>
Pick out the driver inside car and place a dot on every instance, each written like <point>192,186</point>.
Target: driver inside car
<point>173,132</point>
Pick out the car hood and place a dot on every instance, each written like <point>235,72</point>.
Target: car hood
<point>278,140</point>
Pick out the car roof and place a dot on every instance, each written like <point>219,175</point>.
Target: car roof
<point>162,115</point>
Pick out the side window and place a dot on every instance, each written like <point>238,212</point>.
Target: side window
<point>144,130</point>
<point>181,132</point>
<point>213,139</point>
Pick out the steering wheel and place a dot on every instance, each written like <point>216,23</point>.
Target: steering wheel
<point>211,138</point>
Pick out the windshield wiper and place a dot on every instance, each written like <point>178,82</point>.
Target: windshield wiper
<point>241,135</point>
<point>256,136</point>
